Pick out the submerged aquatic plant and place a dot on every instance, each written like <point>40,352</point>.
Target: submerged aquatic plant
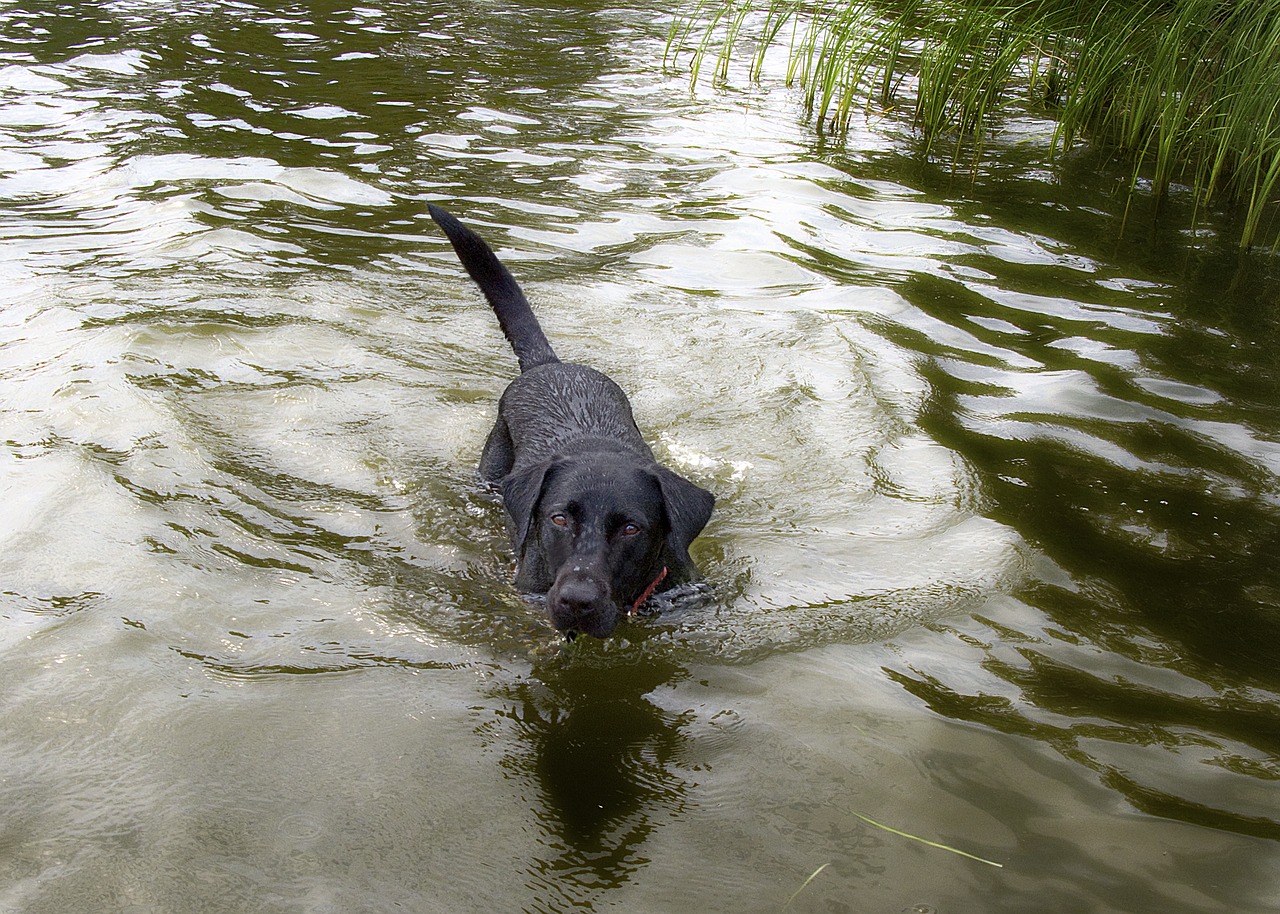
<point>1188,89</point>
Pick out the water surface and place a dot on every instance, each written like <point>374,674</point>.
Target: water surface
<point>992,563</point>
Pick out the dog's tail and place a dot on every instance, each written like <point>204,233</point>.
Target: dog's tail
<point>500,288</point>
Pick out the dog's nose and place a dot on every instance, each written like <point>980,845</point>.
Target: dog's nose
<point>583,605</point>
<point>579,594</point>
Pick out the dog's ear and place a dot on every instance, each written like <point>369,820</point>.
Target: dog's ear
<point>521,491</point>
<point>688,509</point>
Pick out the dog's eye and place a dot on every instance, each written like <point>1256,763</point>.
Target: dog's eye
<point>630,529</point>
<point>559,520</point>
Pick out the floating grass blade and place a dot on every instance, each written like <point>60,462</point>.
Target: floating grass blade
<point>804,885</point>
<point>944,847</point>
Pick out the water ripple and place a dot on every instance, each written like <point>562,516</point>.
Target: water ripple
<point>997,482</point>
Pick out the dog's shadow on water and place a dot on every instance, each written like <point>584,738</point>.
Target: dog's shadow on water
<point>604,760</point>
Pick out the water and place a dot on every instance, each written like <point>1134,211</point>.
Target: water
<point>992,563</point>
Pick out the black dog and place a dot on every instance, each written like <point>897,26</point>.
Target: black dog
<point>595,523</point>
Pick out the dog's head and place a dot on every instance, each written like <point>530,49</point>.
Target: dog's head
<point>597,530</point>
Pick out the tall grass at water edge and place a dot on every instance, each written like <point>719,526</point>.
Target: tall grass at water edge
<point>1188,90</point>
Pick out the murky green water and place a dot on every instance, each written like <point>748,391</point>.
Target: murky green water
<point>994,562</point>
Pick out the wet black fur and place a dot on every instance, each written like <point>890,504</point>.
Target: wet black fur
<point>593,518</point>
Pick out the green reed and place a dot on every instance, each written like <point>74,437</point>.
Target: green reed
<point>1189,90</point>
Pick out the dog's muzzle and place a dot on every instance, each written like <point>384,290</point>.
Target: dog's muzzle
<point>581,603</point>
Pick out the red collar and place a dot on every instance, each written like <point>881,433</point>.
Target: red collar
<point>648,592</point>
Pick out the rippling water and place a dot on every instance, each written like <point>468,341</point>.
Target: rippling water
<point>992,564</point>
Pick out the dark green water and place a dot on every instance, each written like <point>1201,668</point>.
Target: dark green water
<point>994,562</point>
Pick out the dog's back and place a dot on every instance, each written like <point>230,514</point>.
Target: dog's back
<point>567,408</point>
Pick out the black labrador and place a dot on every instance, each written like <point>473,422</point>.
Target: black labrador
<point>596,524</point>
